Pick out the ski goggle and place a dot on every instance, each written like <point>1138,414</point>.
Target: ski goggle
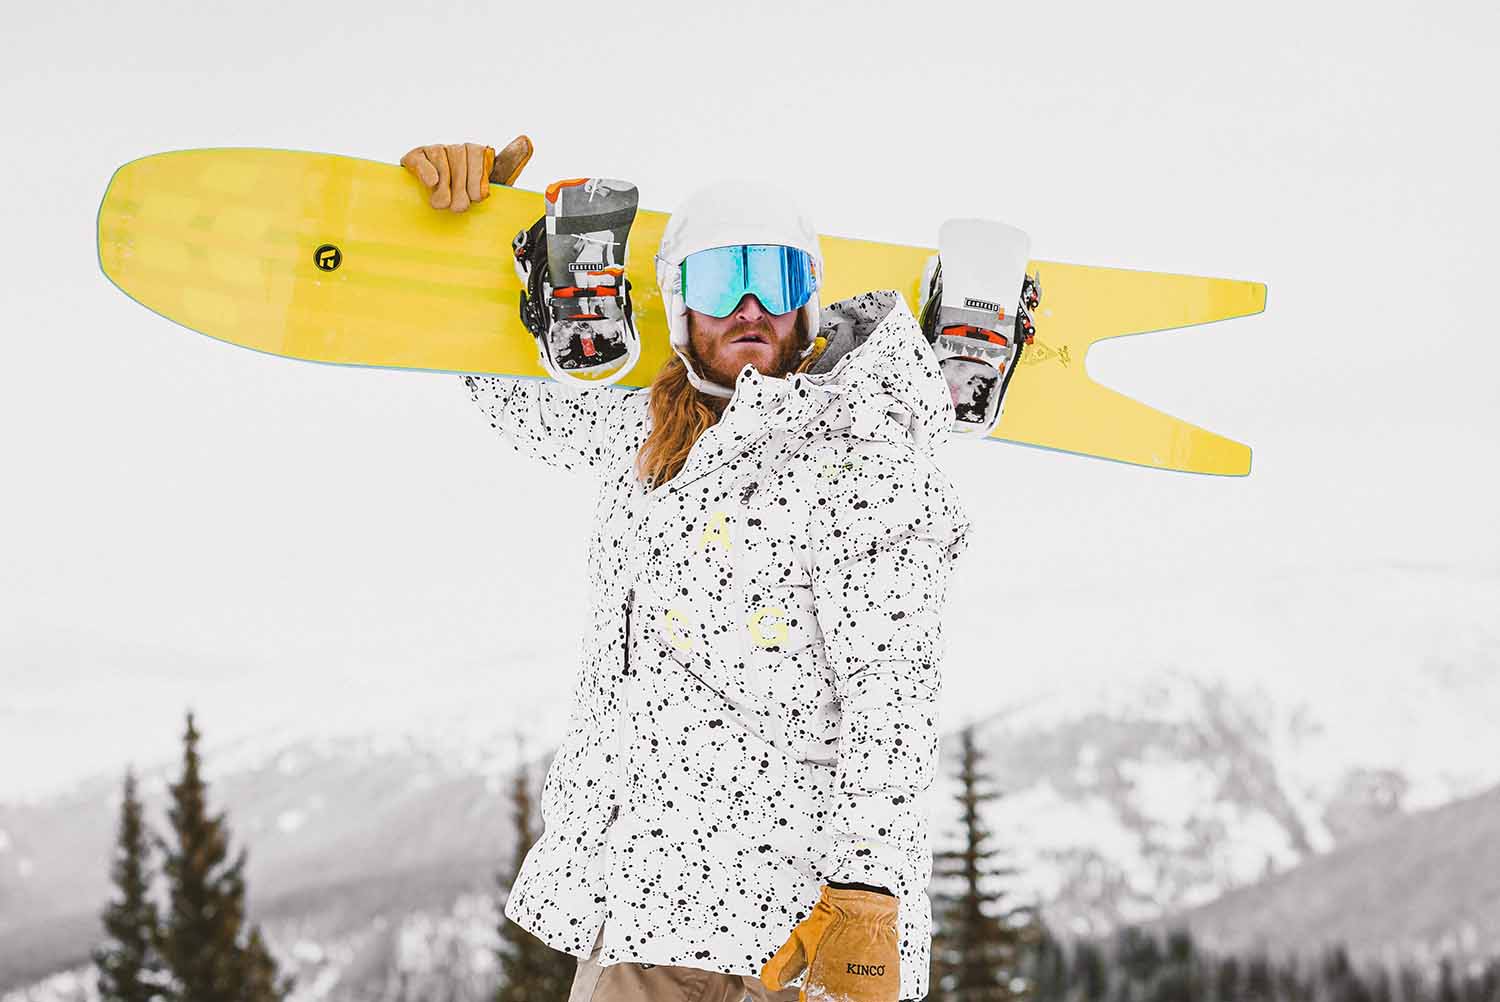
<point>715,280</point>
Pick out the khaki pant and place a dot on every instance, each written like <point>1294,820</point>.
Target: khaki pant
<point>661,983</point>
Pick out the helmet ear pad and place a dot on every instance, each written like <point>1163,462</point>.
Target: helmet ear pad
<point>669,278</point>
<point>812,315</point>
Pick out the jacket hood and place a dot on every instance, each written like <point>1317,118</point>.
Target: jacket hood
<point>877,364</point>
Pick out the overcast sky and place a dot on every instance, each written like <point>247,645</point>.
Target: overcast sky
<point>298,546</point>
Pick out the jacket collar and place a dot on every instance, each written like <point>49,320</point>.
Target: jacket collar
<point>878,354</point>
<point>878,364</point>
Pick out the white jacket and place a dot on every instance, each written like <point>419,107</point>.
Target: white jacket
<point>769,721</point>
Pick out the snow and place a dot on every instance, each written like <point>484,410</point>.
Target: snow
<point>426,941</point>
<point>290,821</point>
<point>1259,838</point>
<point>75,985</point>
<point>1040,822</point>
<point>319,986</point>
<point>1172,793</point>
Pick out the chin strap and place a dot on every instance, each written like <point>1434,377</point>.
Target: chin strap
<point>809,355</point>
<point>701,384</point>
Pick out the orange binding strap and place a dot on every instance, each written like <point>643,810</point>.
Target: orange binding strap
<point>557,186</point>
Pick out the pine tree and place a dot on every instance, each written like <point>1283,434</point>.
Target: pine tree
<point>1447,989</point>
<point>1413,988</point>
<point>977,945</point>
<point>1260,979</point>
<point>1290,985</point>
<point>200,939</point>
<point>1227,974</point>
<point>1180,978</point>
<point>531,971</point>
<point>1489,988</point>
<point>1091,971</point>
<point>129,967</point>
<point>258,974</point>
<point>1137,953</point>
<point>1048,969</point>
<point>1341,982</point>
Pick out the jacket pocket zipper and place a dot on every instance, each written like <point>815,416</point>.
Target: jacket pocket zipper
<point>614,812</point>
<point>629,600</point>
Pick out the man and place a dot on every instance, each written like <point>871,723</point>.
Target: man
<point>738,799</point>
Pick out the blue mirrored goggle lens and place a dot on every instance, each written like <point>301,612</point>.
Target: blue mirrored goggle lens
<point>715,280</point>
<point>781,277</point>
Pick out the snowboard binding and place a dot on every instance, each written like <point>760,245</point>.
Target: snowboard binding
<point>576,298</point>
<point>977,340</point>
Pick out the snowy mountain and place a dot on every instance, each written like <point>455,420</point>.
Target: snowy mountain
<point>372,860</point>
<point>1157,793</point>
<point>1415,887</point>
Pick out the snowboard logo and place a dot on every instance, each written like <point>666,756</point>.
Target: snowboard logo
<point>1038,352</point>
<point>328,257</point>
<point>984,304</point>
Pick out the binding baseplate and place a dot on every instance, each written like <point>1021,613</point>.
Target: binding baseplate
<point>576,298</point>
<point>967,317</point>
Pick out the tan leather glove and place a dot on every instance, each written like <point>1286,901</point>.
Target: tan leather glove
<point>458,175</point>
<point>849,947</point>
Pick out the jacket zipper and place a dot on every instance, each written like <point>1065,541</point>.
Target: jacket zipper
<point>629,601</point>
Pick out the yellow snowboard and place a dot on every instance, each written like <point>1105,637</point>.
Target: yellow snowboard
<point>334,259</point>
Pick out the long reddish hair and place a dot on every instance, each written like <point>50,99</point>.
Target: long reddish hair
<point>679,414</point>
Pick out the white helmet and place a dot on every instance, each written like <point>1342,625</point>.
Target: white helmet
<point>722,215</point>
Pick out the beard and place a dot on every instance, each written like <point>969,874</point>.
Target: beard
<point>787,355</point>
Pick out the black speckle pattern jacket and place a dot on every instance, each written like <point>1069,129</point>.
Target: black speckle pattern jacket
<point>755,712</point>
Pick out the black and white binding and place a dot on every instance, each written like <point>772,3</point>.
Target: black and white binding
<point>576,298</point>
<point>967,317</point>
